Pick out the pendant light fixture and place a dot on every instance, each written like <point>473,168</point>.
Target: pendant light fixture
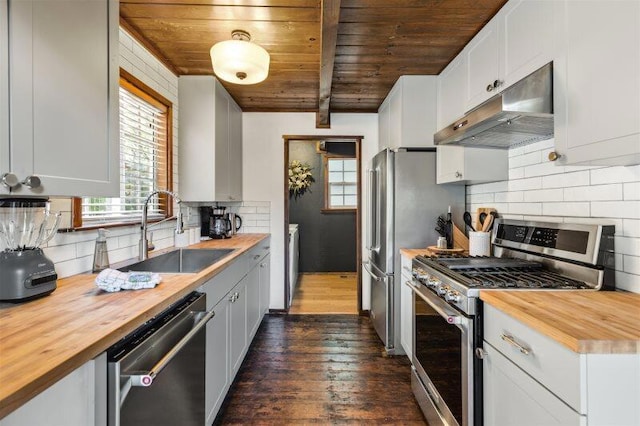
<point>239,60</point>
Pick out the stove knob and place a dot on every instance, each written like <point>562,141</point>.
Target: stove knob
<point>433,281</point>
<point>442,290</point>
<point>452,296</point>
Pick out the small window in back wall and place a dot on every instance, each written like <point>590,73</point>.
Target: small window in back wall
<point>341,183</point>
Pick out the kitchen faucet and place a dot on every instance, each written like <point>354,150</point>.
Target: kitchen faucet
<point>143,246</point>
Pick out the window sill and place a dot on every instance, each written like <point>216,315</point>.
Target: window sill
<point>95,226</point>
<point>338,211</point>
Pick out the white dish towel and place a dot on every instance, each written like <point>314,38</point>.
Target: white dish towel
<point>112,280</point>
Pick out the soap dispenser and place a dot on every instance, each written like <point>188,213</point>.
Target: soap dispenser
<point>101,255</point>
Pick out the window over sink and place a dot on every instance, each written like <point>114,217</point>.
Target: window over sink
<point>145,160</point>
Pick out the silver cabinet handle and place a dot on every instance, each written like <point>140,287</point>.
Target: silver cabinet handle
<point>32,182</point>
<point>458,174</point>
<point>146,378</point>
<point>10,180</point>
<point>256,257</point>
<point>510,340</point>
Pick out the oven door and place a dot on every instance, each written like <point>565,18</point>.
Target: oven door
<point>443,360</point>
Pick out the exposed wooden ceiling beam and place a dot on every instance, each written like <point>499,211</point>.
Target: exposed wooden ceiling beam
<point>329,37</point>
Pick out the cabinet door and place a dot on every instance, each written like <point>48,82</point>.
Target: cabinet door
<point>450,164</point>
<point>217,359</point>
<point>221,166</point>
<point>253,301</point>
<point>383,125</point>
<point>452,91</point>
<point>395,116</point>
<point>68,402</point>
<point>512,397</point>
<point>526,38</point>
<point>235,151</point>
<point>63,77</point>
<point>265,280</point>
<point>596,83</point>
<point>238,325</point>
<point>4,92</point>
<point>406,315</point>
<point>482,66</point>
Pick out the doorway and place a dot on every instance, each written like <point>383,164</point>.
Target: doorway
<point>322,224</point>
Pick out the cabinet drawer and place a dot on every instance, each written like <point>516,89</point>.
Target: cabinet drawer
<point>555,367</point>
<point>512,397</point>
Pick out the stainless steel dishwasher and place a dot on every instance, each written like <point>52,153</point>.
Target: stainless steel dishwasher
<point>156,373</point>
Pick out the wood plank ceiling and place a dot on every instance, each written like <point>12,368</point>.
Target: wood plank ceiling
<point>377,41</point>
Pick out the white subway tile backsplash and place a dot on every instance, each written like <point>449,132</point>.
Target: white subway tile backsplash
<point>73,267</point>
<point>525,208</point>
<point>615,175</point>
<point>525,160</point>
<point>631,191</point>
<point>628,282</point>
<point>630,228</point>
<point>517,173</point>
<point>524,184</point>
<point>60,253</point>
<point>543,195</point>
<point>539,190</point>
<point>509,197</point>
<point>627,246</point>
<point>565,180</point>
<point>566,209</point>
<point>611,192</point>
<point>616,209</point>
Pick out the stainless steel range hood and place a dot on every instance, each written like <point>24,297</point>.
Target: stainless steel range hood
<point>521,114</point>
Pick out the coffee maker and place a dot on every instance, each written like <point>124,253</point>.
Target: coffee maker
<point>25,225</point>
<point>220,224</point>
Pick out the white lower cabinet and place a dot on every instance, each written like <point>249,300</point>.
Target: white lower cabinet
<point>78,399</point>
<point>265,284</point>
<point>237,296</point>
<point>406,308</point>
<point>512,397</point>
<point>530,379</point>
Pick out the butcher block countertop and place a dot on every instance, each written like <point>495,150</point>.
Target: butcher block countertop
<point>588,322</point>
<point>44,340</point>
<point>415,252</point>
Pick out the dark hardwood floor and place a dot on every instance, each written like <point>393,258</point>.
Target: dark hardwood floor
<point>321,369</point>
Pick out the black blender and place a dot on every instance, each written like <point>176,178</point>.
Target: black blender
<point>25,225</point>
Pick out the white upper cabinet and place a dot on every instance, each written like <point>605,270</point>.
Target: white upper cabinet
<point>515,43</point>
<point>407,117</point>
<point>59,93</point>
<point>210,141</point>
<point>452,91</point>
<point>597,82</point>
<point>483,71</point>
<point>464,165</point>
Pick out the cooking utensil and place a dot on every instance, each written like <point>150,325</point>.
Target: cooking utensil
<point>481,218</point>
<point>488,223</point>
<point>467,220</point>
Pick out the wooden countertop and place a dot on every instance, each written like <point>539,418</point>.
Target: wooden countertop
<point>43,340</point>
<point>589,322</point>
<point>415,252</point>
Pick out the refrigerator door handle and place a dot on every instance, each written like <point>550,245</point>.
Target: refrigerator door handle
<point>373,236</point>
<point>373,276</point>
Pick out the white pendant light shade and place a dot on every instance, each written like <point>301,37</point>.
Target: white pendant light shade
<point>239,61</point>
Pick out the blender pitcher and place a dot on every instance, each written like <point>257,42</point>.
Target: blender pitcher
<point>25,225</point>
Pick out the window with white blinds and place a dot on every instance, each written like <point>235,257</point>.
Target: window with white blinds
<point>341,180</point>
<point>144,164</point>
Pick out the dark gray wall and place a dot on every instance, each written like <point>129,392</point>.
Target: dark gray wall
<point>327,240</point>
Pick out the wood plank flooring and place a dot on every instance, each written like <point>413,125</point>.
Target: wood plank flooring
<point>320,369</point>
<point>326,293</point>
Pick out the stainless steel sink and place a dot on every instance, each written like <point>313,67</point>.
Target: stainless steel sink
<point>179,261</point>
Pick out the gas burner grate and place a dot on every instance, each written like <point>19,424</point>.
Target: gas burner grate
<point>525,278</point>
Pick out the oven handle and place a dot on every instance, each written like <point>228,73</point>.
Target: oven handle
<point>145,379</point>
<point>451,316</point>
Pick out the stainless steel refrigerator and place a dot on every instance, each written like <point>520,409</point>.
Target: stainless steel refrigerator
<point>404,204</point>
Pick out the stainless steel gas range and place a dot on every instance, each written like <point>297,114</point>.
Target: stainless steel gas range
<point>447,341</point>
